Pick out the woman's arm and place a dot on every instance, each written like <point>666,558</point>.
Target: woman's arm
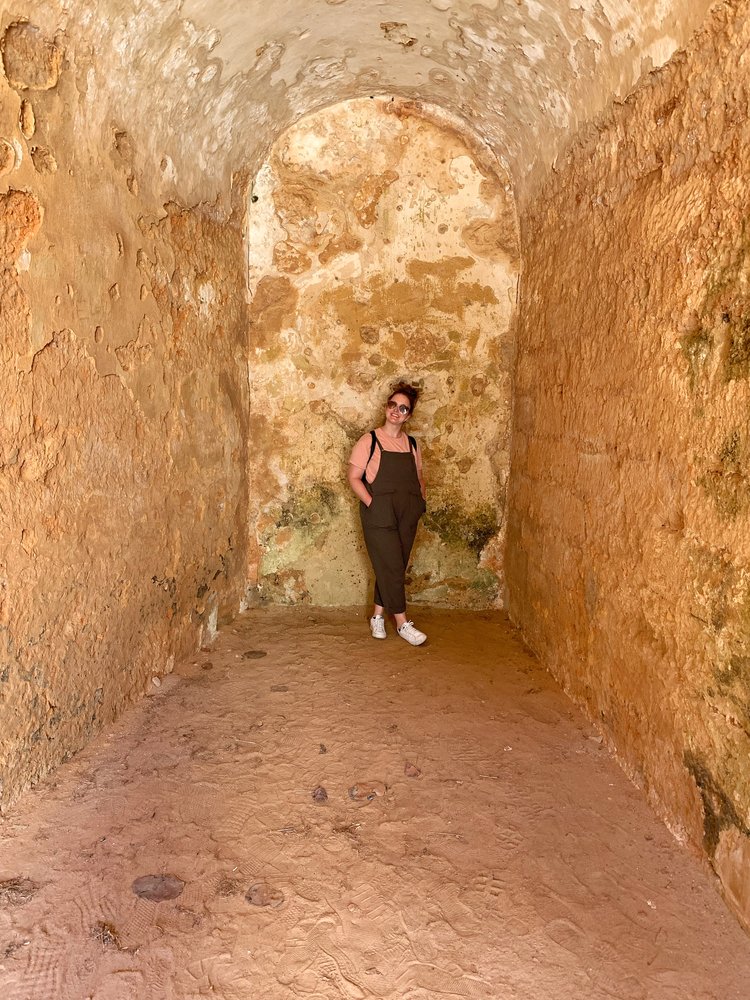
<point>354,475</point>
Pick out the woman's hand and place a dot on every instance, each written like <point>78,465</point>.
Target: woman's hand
<point>354,475</point>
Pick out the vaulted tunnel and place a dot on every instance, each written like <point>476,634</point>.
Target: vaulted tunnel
<point>224,229</point>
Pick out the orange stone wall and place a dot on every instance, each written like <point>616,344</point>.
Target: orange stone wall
<point>628,556</point>
<point>122,419</point>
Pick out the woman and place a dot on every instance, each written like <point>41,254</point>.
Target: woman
<point>385,472</point>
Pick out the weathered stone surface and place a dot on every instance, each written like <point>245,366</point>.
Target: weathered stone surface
<point>122,456</point>
<point>15,343</point>
<point>43,159</point>
<point>7,157</point>
<point>356,240</point>
<point>629,525</point>
<point>30,60</point>
<point>27,119</point>
<point>20,218</point>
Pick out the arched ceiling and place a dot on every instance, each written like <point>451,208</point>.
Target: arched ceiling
<point>204,86</point>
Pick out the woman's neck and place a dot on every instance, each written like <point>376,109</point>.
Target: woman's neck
<point>392,430</point>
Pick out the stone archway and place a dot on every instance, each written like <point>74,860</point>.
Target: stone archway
<point>380,246</point>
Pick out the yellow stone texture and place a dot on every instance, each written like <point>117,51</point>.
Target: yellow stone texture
<point>410,267</point>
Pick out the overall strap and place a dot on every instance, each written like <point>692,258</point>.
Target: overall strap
<point>413,447</point>
<point>372,452</point>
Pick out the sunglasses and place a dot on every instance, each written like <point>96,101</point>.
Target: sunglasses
<point>399,406</point>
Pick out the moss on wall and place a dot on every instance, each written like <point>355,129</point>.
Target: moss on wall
<point>696,347</point>
<point>471,529</point>
<point>307,510</point>
<point>719,812</point>
<point>738,353</point>
<point>726,480</point>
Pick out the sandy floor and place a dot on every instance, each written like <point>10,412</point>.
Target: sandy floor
<point>519,864</point>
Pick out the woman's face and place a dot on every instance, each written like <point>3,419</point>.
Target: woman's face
<point>398,409</point>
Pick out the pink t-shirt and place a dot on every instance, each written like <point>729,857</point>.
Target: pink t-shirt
<point>361,450</point>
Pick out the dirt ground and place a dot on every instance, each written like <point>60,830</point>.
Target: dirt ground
<point>346,818</point>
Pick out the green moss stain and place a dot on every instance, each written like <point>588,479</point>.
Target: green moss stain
<point>726,482</point>
<point>315,506</point>
<point>737,364</point>
<point>696,348</point>
<point>471,529</point>
<point>727,618</point>
<point>733,687</point>
<point>485,584</point>
<point>725,302</point>
<point>732,677</point>
<point>719,812</point>
<point>730,452</point>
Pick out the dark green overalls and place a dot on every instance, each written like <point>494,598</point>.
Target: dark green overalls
<point>390,524</point>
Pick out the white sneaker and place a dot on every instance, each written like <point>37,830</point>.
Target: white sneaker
<point>377,627</point>
<point>411,634</point>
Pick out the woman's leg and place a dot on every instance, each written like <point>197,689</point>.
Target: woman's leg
<point>389,549</point>
<point>407,520</point>
<point>386,556</point>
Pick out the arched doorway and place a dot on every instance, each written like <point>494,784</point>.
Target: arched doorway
<point>379,247</point>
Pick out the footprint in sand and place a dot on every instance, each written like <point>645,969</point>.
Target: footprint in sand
<point>17,891</point>
<point>45,970</point>
<point>567,934</point>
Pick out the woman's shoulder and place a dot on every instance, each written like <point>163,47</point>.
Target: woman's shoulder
<point>362,447</point>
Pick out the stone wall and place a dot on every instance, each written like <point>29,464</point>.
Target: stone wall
<point>380,248</point>
<point>122,417</point>
<point>629,525</point>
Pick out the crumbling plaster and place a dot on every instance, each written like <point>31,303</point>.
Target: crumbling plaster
<point>378,249</point>
<point>122,419</point>
<point>206,86</point>
<point>629,525</point>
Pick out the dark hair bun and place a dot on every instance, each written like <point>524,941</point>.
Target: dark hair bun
<point>406,389</point>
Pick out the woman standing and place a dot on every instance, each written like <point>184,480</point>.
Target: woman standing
<point>385,472</point>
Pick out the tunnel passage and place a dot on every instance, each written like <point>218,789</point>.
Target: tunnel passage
<point>378,249</point>
<point>128,132</point>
